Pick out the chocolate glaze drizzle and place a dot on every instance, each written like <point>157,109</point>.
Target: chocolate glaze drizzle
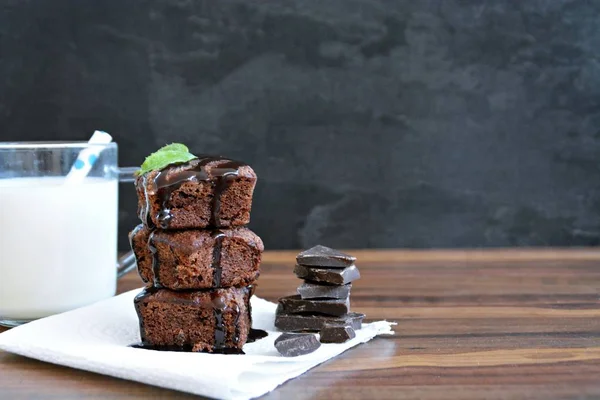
<point>254,334</point>
<point>138,298</point>
<point>155,263</point>
<point>166,182</point>
<point>216,257</point>
<point>219,308</point>
<point>223,175</point>
<point>132,235</point>
<point>144,212</point>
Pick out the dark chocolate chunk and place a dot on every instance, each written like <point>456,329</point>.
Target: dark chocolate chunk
<point>336,333</point>
<point>299,322</point>
<point>296,305</point>
<point>309,290</point>
<point>325,257</point>
<point>296,344</point>
<point>328,275</point>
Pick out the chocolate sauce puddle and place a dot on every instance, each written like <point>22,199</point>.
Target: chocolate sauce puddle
<point>182,349</point>
<point>253,336</point>
<point>256,334</point>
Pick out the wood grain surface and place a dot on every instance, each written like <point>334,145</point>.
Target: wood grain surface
<point>471,324</point>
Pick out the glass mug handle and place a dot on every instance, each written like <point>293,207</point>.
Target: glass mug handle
<point>126,263</point>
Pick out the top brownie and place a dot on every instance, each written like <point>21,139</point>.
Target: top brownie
<point>202,193</point>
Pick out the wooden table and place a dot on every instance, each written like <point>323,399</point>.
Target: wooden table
<point>471,324</point>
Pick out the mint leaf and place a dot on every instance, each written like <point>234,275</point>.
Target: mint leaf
<point>175,147</point>
<point>169,154</point>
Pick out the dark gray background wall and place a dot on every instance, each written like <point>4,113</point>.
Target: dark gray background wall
<point>371,123</point>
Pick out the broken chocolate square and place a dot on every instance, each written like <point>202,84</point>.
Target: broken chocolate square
<point>325,257</point>
<point>334,276</point>
<point>337,333</point>
<point>296,305</point>
<point>309,290</point>
<point>296,344</point>
<point>299,322</point>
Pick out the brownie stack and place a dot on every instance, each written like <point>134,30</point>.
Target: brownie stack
<point>195,255</point>
<point>323,300</point>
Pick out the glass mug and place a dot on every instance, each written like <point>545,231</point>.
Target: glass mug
<point>58,237</point>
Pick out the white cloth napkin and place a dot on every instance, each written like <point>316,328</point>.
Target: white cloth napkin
<point>97,337</point>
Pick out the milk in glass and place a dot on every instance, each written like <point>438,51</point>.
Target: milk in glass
<point>58,244</point>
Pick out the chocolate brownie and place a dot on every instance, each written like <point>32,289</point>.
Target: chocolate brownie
<point>203,320</point>
<point>197,259</point>
<point>205,192</point>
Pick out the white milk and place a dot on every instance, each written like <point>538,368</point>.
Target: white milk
<point>58,245</point>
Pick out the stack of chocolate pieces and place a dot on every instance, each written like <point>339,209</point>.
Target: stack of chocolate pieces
<point>323,300</point>
<point>196,255</point>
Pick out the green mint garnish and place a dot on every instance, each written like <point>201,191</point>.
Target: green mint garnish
<point>169,154</point>
<point>175,147</point>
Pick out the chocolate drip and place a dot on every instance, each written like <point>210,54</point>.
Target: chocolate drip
<point>223,175</point>
<point>167,181</point>
<point>138,298</point>
<point>155,262</point>
<point>236,336</point>
<point>219,329</point>
<point>219,308</point>
<point>216,257</point>
<point>251,289</point>
<point>145,209</point>
<point>254,334</point>
<point>132,235</point>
